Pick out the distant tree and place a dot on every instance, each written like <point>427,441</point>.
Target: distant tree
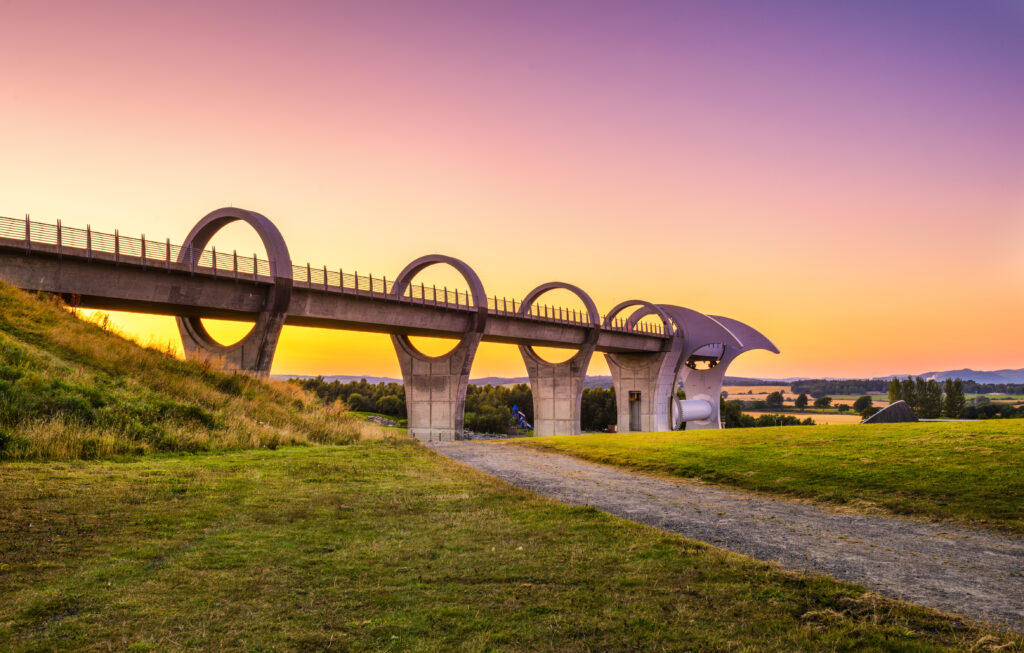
<point>908,392</point>
<point>391,405</point>
<point>732,414</point>
<point>801,402</point>
<point>869,411</point>
<point>598,410</point>
<point>954,402</point>
<point>895,393</point>
<point>357,401</point>
<point>823,402</point>
<point>842,408</point>
<point>774,400</point>
<point>929,398</point>
<point>862,402</point>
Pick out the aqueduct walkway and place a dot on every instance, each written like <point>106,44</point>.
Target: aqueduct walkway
<point>192,281</point>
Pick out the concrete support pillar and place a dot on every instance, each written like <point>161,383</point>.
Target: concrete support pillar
<point>557,388</point>
<point>644,388</point>
<point>644,383</point>
<point>254,352</point>
<point>435,386</point>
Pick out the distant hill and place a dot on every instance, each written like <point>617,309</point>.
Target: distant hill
<point>967,374</point>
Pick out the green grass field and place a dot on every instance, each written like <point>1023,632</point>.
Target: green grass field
<point>970,472</point>
<point>387,546</point>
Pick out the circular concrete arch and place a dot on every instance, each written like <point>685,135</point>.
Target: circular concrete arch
<point>255,351</point>
<point>588,303</point>
<point>277,251</point>
<point>647,308</point>
<point>476,287</point>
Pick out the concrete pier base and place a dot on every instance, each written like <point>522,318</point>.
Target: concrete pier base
<point>645,383</point>
<point>435,388</point>
<point>557,392</point>
<point>557,388</point>
<point>644,389</point>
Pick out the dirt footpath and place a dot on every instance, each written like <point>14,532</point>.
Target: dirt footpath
<point>936,565</point>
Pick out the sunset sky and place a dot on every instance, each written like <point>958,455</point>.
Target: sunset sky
<point>845,176</point>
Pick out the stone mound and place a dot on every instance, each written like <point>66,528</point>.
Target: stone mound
<point>898,411</point>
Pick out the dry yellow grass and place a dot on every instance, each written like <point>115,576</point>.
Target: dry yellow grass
<point>74,389</point>
<point>819,418</point>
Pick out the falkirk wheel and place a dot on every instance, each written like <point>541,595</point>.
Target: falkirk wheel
<point>696,349</point>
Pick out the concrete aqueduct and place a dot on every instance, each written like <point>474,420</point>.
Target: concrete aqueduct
<point>191,282</point>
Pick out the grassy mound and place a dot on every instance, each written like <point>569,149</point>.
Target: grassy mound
<point>962,471</point>
<point>72,389</point>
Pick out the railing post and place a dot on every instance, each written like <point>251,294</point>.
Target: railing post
<point>423,293</point>
<point>355,280</point>
<point>88,241</point>
<point>325,278</point>
<point>143,251</point>
<point>341,278</point>
<point>214,251</point>
<point>117,247</point>
<point>28,234</point>
<point>371,283</point>
<point>446,296</point>
<point>434,286</point>
<point>191,261</point>
<point>60,243</point>
<point>234,262</point>
<point>309,275</point>
<point>168,252</point>
<point>385,282</point>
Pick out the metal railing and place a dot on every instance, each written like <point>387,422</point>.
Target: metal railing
<point>89,244</point>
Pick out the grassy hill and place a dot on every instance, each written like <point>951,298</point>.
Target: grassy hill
<point>73,389</point>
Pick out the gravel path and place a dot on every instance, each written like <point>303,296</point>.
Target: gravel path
<point>936,565</point>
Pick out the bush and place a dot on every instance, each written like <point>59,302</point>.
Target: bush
<point>864,402</point>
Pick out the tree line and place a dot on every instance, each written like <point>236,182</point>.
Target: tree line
<point>489,408</point>
<point>821,387</point>
<point>929,399</point>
